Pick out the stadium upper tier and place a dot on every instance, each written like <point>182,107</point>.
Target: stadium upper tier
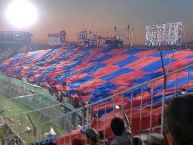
<point>96,73</point>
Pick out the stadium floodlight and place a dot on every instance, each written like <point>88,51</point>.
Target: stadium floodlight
<point>164,34</point>
<point>21,13</point>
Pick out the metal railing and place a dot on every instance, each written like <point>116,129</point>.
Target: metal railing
<point>144,105</point>
<point>39,106</point>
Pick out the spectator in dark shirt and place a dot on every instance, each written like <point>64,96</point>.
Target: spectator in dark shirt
<point>119,130</point>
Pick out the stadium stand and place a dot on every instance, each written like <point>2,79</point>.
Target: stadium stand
<point>96,73</point>
<point>93,74</point>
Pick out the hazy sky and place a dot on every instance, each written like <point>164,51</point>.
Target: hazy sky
<point>72,15</point>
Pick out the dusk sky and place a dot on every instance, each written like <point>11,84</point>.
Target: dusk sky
<point>72,15</point>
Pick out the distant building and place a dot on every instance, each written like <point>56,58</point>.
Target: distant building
<point>56,38</point>
<point>14,38</point>
<point>53,39</point>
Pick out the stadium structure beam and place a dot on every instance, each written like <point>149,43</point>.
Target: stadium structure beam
<point>24,96</point>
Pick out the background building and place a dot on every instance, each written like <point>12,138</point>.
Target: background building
<point>14,38</point>
<point>56,38</point>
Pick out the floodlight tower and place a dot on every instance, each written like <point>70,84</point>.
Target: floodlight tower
<point>128,34</point>
<point>115,30</point>
<point>132,36</point>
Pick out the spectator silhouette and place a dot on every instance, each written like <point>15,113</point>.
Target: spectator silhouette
<point>92,136</point>
<point>119,130</point>
<point>78,142</point>
<point>178,121</point>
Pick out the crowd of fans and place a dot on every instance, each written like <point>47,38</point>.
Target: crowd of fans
<point>122,136</point>
<point>178,128</point>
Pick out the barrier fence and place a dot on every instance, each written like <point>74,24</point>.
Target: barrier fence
<point>36,105</point>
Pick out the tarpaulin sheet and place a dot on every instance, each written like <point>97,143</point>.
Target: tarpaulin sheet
<point>96,72</point>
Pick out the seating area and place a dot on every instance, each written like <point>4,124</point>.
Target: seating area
<point>8,52</point>
<point>93,74</point>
